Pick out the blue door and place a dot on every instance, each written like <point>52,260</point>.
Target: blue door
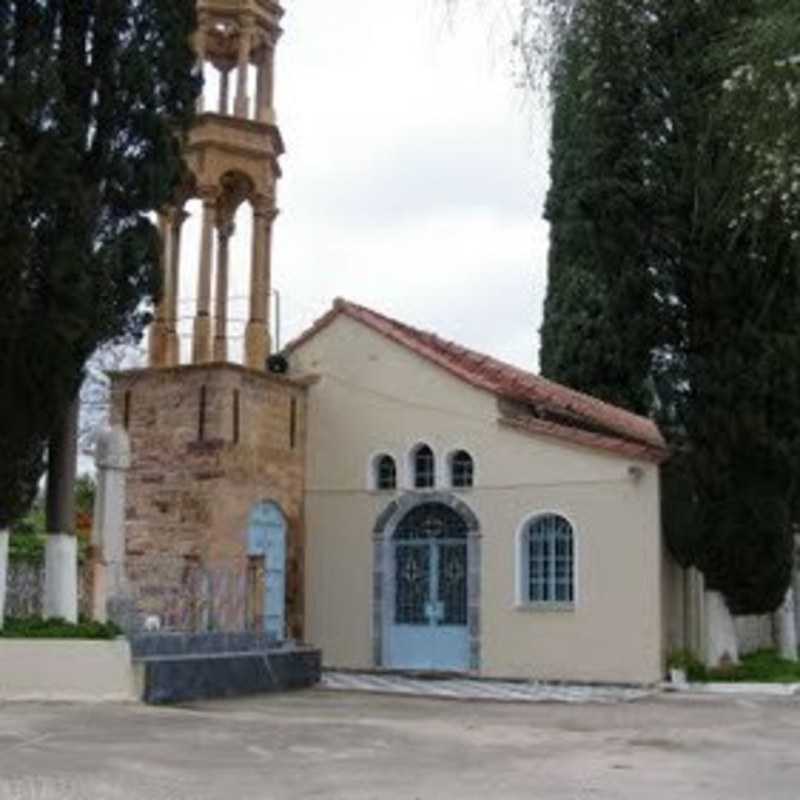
<point>428,625</point>
<point>267,538</point>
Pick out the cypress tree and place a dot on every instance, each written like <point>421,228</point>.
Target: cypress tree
<point>705,279</point>
<point>599,327</point>
<point>94,99</point>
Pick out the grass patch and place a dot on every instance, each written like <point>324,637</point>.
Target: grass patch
<point>694,669</point>
<point>765,666</point>
<point>37,628</point>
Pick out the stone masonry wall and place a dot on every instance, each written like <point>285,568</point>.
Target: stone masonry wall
<point>208,442</point>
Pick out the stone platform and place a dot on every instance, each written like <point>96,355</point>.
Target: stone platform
<point>178,667</point>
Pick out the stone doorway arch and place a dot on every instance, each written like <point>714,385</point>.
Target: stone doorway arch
<point>384,573</point>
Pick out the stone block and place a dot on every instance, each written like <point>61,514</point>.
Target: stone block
<point>190,495</point>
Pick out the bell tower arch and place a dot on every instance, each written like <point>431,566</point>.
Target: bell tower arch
<point>232,154</point>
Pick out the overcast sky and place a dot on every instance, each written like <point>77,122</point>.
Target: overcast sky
<point>414,175</point>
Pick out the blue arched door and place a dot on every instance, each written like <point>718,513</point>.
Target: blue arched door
<point>428,620</point>
<point>266,538</point>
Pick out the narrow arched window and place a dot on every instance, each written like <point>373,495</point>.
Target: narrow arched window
<point>462,470</point>
<point>424,468</point>
<point>385,473</point>
<point>548,561</point>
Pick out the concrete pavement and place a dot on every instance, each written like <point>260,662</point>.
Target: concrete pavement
<point>335,745</point>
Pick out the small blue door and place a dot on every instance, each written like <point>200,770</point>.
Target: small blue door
<point>267,537</point>
<point>428,625</point>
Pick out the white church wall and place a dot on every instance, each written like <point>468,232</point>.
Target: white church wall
<point>374,396</point>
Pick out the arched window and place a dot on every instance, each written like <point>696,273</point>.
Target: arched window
<point>385,473</point>
<point>462,470</point>
<point>424,468</point>
<point>547,559</point>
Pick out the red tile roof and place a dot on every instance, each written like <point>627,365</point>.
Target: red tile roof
<point>540,406</point>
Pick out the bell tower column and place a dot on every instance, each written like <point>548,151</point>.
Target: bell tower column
<point>201,344</point>
<point>176,219</point>
<point>224,234</point>
<point>245,45</point>
<point>159,330</point>
<point>257,337</point>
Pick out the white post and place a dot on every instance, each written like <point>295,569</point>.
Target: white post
<point>61,551</point>
<point>113,459</point>
<point>61,577</point>
<point>721,646</point>
<point>796,586</point>
<point>3,574</point>
<point>785,630</point>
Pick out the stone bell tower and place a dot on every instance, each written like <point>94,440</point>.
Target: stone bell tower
<point>217,447</point>
<point>232,155</point>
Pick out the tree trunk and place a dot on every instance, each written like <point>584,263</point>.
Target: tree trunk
<point>785,631</point>
<point>3,574</point>
<point>722,647</point>
<point>61,553</point>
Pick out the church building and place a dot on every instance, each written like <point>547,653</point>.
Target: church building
<point>398,500</point>
<point>462,514</point>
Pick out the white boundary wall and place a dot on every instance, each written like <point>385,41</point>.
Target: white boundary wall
<point>3,573</point>
<point>66,670</point>
<point>688,618</point>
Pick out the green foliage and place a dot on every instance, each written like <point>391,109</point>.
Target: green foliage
<point>694,668</point>
<point>674,268</point>
<point>37,628</point>
<point>27,548</point>
<point>85,489</point>
<point>762,94</point>
<point>29,533</point>
<point>32,524</point>
<point>598,332</point>
<point>94,101</point>
<point>765,666</point>
<point>30,548</point>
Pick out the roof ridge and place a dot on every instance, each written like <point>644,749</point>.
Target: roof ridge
<point>519,371</point>
<point>499,377</point>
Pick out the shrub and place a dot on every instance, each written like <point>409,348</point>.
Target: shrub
<point>694,668</point>
<point>38,628</point>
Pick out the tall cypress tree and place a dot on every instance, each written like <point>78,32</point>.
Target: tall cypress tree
<point>718,266</point>
<point>94,98</point>
<point>599,328</point>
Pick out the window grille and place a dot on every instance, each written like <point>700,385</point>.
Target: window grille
<point>424,468</point>
<point>385,473</point>
<point>462,470</point>
<point>549,556</point>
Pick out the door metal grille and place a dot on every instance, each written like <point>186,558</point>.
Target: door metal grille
<point>431,563</point>
<point>412,584</point>
<point>453,583</point>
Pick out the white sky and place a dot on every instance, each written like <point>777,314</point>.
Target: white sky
<point>414,176</point>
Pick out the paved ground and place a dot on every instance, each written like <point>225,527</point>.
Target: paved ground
<point>341,746</point>
<point>466,689</point>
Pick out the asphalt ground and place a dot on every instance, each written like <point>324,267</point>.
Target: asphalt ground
<point>358,746</point>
